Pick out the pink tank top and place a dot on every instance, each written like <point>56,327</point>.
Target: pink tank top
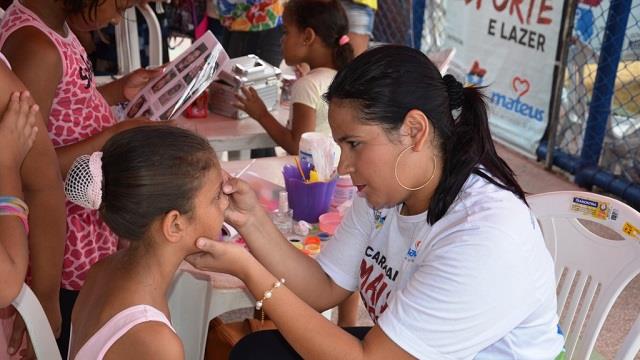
<point>78,111</point>
<point>97,346</point>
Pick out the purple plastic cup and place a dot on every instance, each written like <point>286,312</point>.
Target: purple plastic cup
<point>307,200</point>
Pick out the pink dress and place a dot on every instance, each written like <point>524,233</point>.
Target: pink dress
<point>78,111</point>
<point>97,346</point>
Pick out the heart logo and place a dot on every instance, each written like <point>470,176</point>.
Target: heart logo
<point>520,86</point>
<point>477,70</point>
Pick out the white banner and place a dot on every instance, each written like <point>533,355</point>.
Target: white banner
<point>509,46</point>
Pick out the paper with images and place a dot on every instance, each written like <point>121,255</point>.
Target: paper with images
<point>184,79</point>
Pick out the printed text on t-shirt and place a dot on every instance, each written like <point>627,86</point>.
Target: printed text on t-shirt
<point>372,288</point>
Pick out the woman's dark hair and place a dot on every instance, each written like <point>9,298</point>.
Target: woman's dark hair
<point>328,20</point>
<point>386,82</point>
<point>149,171</point>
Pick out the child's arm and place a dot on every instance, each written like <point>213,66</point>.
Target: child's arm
<point>41,76</point>
<point>127,87</point>
<point>68,154</point>
<point>303,120</point>
<point>43,192</point>
<point>17,132</point>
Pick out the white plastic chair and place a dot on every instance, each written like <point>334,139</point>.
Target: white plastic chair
<point>193,302</point>
<point>442,59</point>
<point>44,343</point>
<point>607,265</point>
<point>127,44</point>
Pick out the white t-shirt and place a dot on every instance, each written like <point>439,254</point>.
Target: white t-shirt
<point>308,90</point>
<point>478,284</point>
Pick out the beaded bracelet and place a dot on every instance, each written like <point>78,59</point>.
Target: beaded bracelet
<point>267,295</point>
<point>14,206</point>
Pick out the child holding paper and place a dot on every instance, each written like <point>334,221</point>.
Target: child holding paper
<point>315,32</point>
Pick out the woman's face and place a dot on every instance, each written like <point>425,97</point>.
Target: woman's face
<point>367,155</point>
<point>108,12</point>
<point>208,207</point>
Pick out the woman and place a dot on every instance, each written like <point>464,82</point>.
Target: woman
<point>448,259</point>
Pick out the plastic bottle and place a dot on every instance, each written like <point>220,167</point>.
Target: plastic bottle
<point>283,216</point>
<point>343,193</point>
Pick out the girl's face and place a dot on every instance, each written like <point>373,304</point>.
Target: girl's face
<point>292,42</point>
<point>367,155</point>
<point>208,207</point>
<point>108,12</point>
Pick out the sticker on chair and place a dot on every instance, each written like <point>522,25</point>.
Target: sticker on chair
<point>591,208</point>
<point>631,230</point>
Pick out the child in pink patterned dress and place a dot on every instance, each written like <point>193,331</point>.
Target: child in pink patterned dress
<point>36,38</point>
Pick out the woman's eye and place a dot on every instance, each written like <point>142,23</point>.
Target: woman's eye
<point>354,144</point>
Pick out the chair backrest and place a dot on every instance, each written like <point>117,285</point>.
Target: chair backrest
<point>591,270</point>
<point>44,343</point>
<point>128,47</point>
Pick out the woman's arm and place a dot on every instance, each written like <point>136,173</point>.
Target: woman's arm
<point>304,276</point>
<point>311,334</point>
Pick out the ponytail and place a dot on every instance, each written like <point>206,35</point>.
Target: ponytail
<point>342,55</point>
<point>470,150</point>
<point>328,20</point>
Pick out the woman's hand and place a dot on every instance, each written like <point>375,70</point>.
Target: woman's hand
<point>220,256</point>
<point>251,103</point>
<point>17,129</point>
<point>133,82</point>
<point>243,202</point>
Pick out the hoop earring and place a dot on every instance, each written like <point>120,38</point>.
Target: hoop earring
<point>395,171</point>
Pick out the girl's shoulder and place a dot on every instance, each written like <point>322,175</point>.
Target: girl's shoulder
<point>320,73</point>
<point>317,79</point>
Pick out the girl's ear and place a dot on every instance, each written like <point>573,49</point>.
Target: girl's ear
<point>417,127</point>
<point>173,226</point>
<point>309,36</point>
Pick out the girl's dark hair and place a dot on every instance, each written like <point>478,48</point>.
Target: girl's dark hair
<point>328,20</point>
<point>386,82</point>
<point>79,6</point>
<point>149,171</point>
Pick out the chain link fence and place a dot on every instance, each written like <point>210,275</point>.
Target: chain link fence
<point>433,34</point>
<point>394,22</point>
<point>621,148</point>
<point>416,23</point>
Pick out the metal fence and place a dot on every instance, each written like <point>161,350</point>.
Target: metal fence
<point>416,23</point>
<point>393,22</point>
<point>598,133</point>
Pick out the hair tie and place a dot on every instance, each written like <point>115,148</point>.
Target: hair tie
<point>83,185</point>
<point>455,90</point>
<point>344,39</point>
